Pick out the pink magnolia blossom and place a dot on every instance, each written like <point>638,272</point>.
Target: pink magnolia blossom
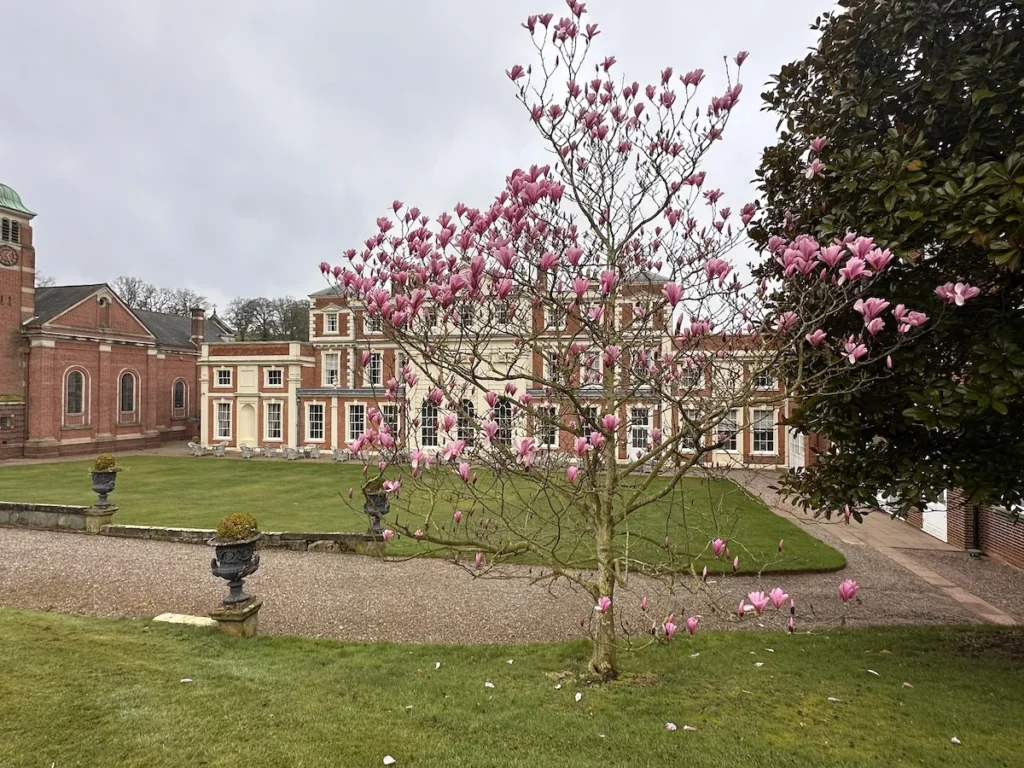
<point>391,486</point>
<point>457,515</point>
<point>814,169</point>
<point>418,533</point>
<point>704,574</point>
<point>673,292</point>
<point>781,543</point>
<point>819,144</point>
<point>791,625</point>
<point>580,446</point>
<point>447,422</point>
<point>491,398</point>
<point>814,339</point>
<point>878,259</point>
<point>691,624</point>
<point>786,321</point>
<point>526,451</point>
<point>453,450</point>
<point>490,429</point>
<point>759,600</point>
<point>436,396</point>
<point>718,547</point>
<point>572,472</point>
<point>741,57</point>
<point>596,440</point>
<point>870,308</point>
<point>742,608</point>
<point>387,534</point>
<point>854,268</point>
<point>666,543</point>
<point>736,563</point>
<point>848,590</point>
<point>610,422</point>
<point>888,361</point>
<point>643,603</point>
<point>463,472</point>
<point>874,326</point>
<point>515,73</point>
<point>854,350</point>
<point>717,268</point>
<point>778,597</point>
<point>478,561</point>
<point>957,293</point>
<point>608,280</point>
<point>670,629</point>
<point>604,603</point>
<point>611,355</point>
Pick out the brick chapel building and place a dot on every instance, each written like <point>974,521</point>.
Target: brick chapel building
<point>81,372</point>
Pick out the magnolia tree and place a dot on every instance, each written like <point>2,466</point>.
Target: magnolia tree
<point>571,351</point>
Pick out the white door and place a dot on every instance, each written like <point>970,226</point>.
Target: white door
<point>795,449</point>
<point>933,518</point>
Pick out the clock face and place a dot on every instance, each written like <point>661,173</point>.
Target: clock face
<point>8,257</point>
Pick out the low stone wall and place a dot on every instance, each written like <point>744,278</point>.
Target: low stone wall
<point>351,543</point>
<point>58,517</point>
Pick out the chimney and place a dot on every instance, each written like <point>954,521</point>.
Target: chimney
<point>198,321</point>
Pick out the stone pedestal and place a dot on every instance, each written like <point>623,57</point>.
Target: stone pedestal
<point>97,517</point>
<point>238,620</point>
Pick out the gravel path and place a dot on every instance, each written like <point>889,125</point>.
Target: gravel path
<point>366,599</point>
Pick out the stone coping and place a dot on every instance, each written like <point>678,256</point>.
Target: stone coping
<point>358,543</point>
<point>59,517</point>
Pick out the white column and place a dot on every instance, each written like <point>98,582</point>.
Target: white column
<point>334,423</point>
<point>204,405</point>
<point>294,378</point>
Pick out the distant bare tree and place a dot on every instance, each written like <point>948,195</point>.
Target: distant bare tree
<point>263,319</point>
<point>42,281</point>
<point>138,294</point>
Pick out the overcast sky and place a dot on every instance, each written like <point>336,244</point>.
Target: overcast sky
<point>231,145</point>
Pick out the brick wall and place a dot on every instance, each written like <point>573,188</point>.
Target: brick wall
<point>998,534</point>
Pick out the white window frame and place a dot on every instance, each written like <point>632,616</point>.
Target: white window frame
<point>434,440</point>
<point>309,422</point>
<point>554,318</point>
<point>552,369</point>
<point>128,415</point>
<point>690,377</point>
<point>280,421</point>
<point>639,432</point>
<point>687,444</point>
<point>378,358</point>
<point>465,422</point>
<point>587,371</point>
<point>177,412</point>
<point>372,323</point>
<point>734,417</point>
<point>764,380</point>
<point>337,369</point>
<point>217,377</point>
<point>585,428</point>
<point>505,416</point>
<point>350,421</point>
<point>331,318</point>
<point>389,416</point>
<point>266,377</point>
<point>757,430</point>
<point>547,433</point>
<point>82,400</point>
<point>218,433</point>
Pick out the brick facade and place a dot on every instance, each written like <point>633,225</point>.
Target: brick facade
<point>993,530</point>
<point>80,372</point>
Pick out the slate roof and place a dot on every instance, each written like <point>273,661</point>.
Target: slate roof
<point>169,330</point>
<point>53,300</point>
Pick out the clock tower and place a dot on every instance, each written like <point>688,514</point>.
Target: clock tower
<point>17,304</point>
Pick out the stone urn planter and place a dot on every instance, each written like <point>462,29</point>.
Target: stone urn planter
<point>104,476</point>
<point>376,506</point>
<point>235,555</point>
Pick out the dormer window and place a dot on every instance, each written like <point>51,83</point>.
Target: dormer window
<point>10,231</point>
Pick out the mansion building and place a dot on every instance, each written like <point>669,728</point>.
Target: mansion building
<point>84,373</point>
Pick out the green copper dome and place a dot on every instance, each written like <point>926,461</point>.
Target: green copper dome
<point>12,200</point>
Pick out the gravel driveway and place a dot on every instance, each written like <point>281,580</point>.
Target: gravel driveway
<point>367,599</point>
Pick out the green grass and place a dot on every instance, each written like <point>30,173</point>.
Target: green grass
<point>308,496</point>
<point>101,692</point>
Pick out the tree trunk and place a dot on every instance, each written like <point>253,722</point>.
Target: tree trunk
<point>602,662</point>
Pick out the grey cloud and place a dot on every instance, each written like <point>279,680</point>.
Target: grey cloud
<point>231,146</point>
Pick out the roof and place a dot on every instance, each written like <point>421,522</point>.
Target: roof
<point>12,200</point>
<point>175,330</point>
<point>329,291</point>
<point>53,300</point>
<point>169,330</point>
<point>646,278</point>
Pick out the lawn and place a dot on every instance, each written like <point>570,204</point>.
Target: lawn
<point>102,692</point>
<point>313,496</point>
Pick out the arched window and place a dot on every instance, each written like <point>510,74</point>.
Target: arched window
<point>467,414</point>
<point>428,425</point>
<point>75,401</point>
<point>127,393</point>
<point>179,395</point>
